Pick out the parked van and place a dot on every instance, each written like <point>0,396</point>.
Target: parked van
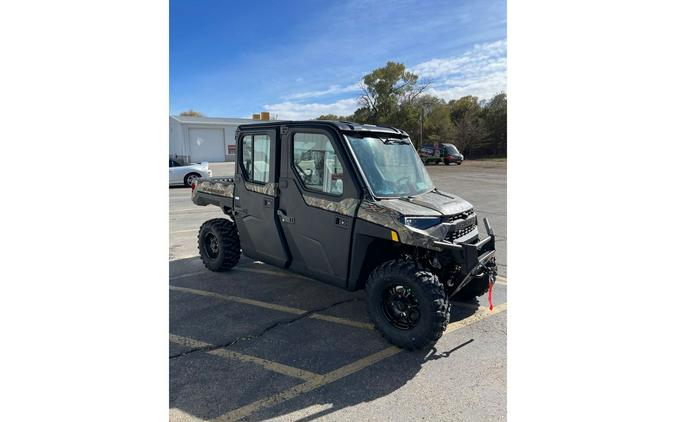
<point>441,152</point>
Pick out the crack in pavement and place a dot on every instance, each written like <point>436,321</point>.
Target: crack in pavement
<point>264,331</point>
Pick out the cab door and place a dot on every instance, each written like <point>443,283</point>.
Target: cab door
<point>318,202</point>
<point>256,197</point>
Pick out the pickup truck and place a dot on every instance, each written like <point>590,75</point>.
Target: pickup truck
<point>353,206</point>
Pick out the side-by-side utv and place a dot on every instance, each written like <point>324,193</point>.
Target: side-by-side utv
<point>351,205</point>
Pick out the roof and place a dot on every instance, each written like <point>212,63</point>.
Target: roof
<point>215,120</point>
<point>340,125</point>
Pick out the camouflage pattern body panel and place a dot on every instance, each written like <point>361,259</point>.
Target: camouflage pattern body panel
<point>221,186</point>
<point>218,191</point>
<point>390,217</point>
<point>269,189</point>
<point>346,206</point>
<point>455,213</point>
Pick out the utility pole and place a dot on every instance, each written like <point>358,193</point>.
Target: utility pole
<point>421,127</point>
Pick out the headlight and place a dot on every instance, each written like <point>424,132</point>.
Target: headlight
<point>421,223</point>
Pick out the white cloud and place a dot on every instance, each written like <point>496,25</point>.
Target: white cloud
<point>333,89</point>
<point>472,61</point>
<point>480,72</point>
<point>289,110</point>
<point>483,87</point>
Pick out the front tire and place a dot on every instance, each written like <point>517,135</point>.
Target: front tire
<point>408,305</point>
<point>219,246</point>
<point>191,177</point>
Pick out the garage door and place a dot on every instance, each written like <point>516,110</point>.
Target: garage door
<point>206,145</point>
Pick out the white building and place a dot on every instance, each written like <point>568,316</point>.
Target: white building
<point>197,139</point>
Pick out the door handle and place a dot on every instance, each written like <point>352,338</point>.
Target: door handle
<point>267,203</point>
<point>284,218</point>
<point>341,222</point>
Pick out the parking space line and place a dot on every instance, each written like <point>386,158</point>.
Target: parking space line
<point>466,305</point>
<point>308,386</point>
<point>341,372</point>
<point>481,314</point>
<point>204,270</point>
<point>280,308</point>
<point>280,368</point>
<point>176,414</point>
<point>188,342</point>
<point>188,275</point>
<point>500,280</point>
<point>275,307</point>
<point>184,231</point>
<point>338,320</point>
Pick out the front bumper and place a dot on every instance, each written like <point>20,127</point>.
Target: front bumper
<point>474,258</point>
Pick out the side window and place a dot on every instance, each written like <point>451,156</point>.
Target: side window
<point>255,158</point>
<point>317,164</point>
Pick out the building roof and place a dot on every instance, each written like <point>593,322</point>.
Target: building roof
<point>213,120</point>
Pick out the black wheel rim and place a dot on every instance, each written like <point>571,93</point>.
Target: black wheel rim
<point>211,245</point>
<point>400,307</point>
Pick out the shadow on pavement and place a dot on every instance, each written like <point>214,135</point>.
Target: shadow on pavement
<point>208,386</point>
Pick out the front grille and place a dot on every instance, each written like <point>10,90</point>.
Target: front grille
<point>452,236</point>
<point>456,234</point>
<point>461,216</point>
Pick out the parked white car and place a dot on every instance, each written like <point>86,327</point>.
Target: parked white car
<point>185,175</point>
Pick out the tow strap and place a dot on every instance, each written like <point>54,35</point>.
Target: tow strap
<point>491,282</point>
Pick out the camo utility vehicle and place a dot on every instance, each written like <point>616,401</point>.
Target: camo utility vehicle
<point>351,205</point>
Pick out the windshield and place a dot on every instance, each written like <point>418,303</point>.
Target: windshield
<point>392,166</point>
<point>449,148</point>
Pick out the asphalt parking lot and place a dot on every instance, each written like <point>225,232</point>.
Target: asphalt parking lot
<point>259,343</point>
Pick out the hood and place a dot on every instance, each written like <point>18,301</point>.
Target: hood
<point>434,203</point>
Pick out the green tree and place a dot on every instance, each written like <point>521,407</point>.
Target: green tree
<point>469,133</point>
<point>387,95</point>
<point>191,113</point>
<point>393,96</point>
<point>494,115</point>
<point>437,125</point>
<point>333,117</point>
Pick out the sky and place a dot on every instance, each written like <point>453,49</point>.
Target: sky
<point>299,59</point>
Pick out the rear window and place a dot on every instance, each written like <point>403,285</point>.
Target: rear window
<point>255,158</point>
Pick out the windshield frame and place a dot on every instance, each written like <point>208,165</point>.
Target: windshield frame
<point>362,173</point>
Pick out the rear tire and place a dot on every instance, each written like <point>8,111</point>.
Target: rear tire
<point>219,246</point>
<point>408,305</point>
